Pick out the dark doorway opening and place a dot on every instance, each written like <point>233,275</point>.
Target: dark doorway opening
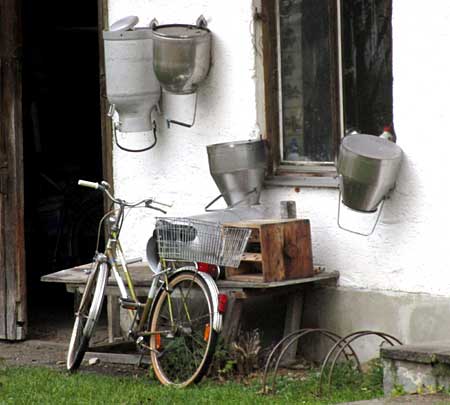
<point>62,143</point>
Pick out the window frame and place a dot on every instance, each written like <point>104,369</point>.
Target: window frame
<point>312,174</point>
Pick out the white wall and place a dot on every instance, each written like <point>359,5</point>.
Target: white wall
<point>409,250</point>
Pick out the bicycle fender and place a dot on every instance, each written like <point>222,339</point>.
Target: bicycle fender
<point>217,317</point>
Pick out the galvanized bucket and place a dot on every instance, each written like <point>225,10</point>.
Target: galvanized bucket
<point>368,166</point>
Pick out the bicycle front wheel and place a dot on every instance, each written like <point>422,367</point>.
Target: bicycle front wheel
<point>182,338</point>
<point>87,316</point>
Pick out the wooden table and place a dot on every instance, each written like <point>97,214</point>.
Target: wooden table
<point>237,291</point>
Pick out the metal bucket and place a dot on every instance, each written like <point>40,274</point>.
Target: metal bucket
<point>182,56</point>
<point>238,168</point>
<point>131,84</point>
<point>368,167</point>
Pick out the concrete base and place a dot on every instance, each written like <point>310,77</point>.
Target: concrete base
<point>412,318</point>
<point>423,368</point>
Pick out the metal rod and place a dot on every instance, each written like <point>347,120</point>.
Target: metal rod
<point>254,190</point>
<point>351,230</point>
<point>291,338</point>
<point>337,344</point>
<point>151,146</point>
<point>184,124</point>
<point>380,334</point>
<point>284,350</point>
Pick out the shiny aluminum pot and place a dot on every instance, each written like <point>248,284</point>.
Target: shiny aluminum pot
<point>181,56</point>
<point>368,167</point>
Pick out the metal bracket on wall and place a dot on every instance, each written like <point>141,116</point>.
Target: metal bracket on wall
<point>184,124</point>
<point>380,209</point>
<point>115,125</point>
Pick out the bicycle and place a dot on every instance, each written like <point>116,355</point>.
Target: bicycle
<point>181,317</point>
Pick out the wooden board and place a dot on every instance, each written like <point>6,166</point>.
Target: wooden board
<point>12,249</point>
<point>141,275</point>
<point>283,250</point>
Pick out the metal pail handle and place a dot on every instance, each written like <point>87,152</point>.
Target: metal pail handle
<point>247,194</point>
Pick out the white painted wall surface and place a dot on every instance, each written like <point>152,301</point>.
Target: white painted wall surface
<point>409,250</point>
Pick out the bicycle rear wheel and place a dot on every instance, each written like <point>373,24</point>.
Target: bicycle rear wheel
<point>183,340</point>
<point>87,316</point>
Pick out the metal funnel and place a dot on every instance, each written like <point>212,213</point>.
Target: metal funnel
<point>238,168</point>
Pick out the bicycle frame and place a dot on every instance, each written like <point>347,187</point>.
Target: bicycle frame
<point>114,254</point>
<point>179,315</point>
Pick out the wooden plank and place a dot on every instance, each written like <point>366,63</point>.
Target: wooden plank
<point>105,121</point>
<point>271,82</point>
<point>325,276</point>
<point>256,223</point>
<point>244,268</point>
<point>11,135</point>
<point>292,322</point>
<point>251,257</point>
<point>271,248</point>
<point>3,307</point>
<point>254,236</point>
<point>113,313</point>
<point>140,273</point>
<point>297,250</point>
<point>232,319</point>
<point>247,277</point>
<point>119,358</point>
<point>286,250</point>
<point>73,277</point>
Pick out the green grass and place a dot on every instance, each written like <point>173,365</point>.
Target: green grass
<point>38,385</point>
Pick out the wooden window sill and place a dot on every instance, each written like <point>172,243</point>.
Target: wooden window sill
<point>301,180</point>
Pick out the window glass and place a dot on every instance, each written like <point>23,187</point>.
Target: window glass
<point>367,64</point>
<point>305,81</point>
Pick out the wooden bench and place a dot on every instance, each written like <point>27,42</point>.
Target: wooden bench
<point>237,291</point>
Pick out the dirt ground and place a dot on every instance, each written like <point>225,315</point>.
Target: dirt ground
<point>48,338</point>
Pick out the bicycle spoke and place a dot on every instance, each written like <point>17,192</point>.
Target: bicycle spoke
<point>184,357</point>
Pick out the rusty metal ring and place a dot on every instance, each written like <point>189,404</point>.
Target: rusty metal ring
<point>291,339</point>
<point>352,336</point>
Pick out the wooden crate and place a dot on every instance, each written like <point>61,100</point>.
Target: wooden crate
<point>277,250</point>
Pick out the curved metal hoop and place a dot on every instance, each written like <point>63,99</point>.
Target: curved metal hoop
<point>294,337</point>
<point>348,340</point>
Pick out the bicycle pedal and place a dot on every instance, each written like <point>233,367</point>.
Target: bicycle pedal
<point>142,345</point>
<point>129,304</point>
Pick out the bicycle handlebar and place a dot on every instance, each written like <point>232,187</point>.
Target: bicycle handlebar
<point>89,184</point>
<point>104,188</point>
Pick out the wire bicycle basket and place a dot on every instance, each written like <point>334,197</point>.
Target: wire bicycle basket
<point>194,240</point>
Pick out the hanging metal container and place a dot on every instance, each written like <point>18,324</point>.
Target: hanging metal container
<point>368,167</point>
<point>182,55</point>
<point>131,85</point>
<point>238,169</point>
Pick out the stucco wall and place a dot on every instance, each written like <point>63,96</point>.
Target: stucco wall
<point>409,249</point>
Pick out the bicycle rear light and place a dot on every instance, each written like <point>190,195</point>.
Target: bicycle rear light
<point>205,267</point>
<point>223,301</point>
<point>210,269</point>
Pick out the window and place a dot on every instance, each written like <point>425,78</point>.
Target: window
<point>327,69</point>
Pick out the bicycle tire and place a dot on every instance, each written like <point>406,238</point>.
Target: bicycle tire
<point>87,316</point>
<point>182,355</point>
